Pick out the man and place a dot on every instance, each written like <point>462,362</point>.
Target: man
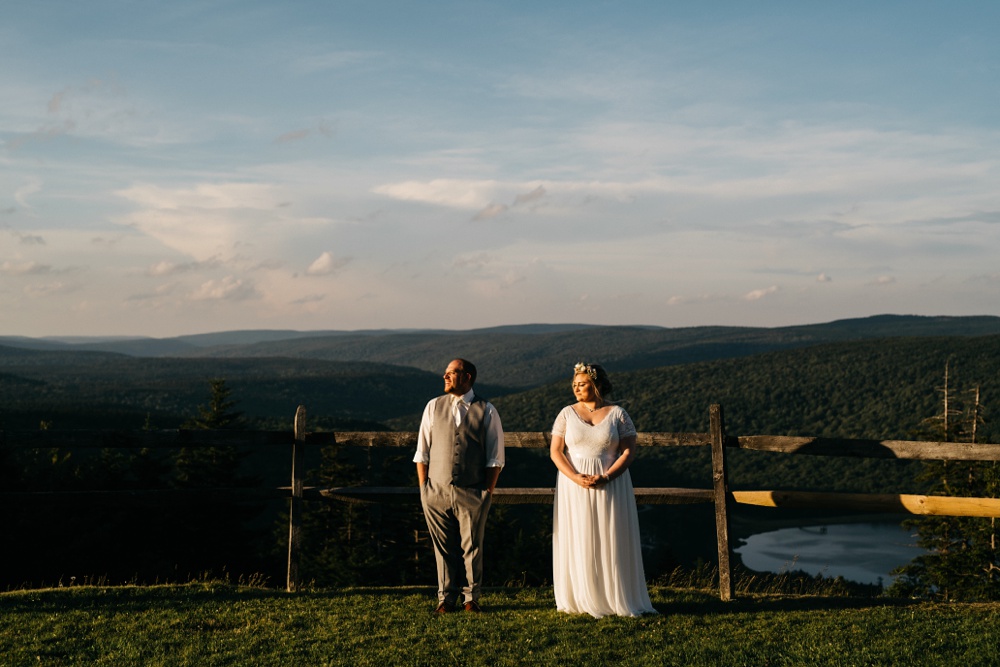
<point>459,458</point>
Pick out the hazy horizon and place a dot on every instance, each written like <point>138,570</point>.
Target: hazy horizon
<point>70,338</point>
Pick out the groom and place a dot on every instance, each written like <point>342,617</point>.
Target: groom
<point>459,458</point>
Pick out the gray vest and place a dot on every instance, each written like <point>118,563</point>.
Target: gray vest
<point>458,453</point>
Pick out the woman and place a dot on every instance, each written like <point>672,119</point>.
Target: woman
<point>596,554</point>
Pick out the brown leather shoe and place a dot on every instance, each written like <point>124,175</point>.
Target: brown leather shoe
<point>445,608</point>
<point>473,606</point>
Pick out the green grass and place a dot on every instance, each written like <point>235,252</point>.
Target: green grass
<point>221,624</point>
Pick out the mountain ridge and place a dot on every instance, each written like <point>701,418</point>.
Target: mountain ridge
<point>523,356</point>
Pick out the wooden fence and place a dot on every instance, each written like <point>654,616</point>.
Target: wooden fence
<point>716,490</point>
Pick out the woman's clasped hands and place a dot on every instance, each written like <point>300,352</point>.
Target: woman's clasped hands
<point>590,481</point>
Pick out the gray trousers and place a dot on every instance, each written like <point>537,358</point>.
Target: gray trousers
<point>456,520</point>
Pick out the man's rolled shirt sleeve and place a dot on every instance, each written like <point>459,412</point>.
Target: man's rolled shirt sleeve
<point>494,439</point>
<point>423,454</point>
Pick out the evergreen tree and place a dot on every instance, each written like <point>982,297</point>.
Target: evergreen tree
<point>963,560</point>
<point>214,531</point>
<point>211,466</point>
<point>220,412</point>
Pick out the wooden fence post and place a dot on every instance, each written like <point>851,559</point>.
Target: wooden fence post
<point>295,502</point>
<point>720,493</point>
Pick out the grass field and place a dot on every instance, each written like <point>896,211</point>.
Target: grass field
<point>221,624</point>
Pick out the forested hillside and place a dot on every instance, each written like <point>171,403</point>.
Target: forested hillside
<point>866,389</point>
<point>526,356</point>
<point>103,390</point>
<point>880,389</point>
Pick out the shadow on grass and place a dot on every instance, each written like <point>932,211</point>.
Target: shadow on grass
<point>180,598</point>
<point>777,604</point>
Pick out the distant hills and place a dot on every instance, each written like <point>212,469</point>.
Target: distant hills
<point>846,378</point>
<point>522,356</point>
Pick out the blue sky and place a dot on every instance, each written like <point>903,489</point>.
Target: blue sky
<point>185,167</point>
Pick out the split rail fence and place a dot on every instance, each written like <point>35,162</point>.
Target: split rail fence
<point>717,492</point>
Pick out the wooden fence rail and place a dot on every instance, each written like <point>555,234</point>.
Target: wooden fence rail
<point>719,493</point>
<point>716,492</point>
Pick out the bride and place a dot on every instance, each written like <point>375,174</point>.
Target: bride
<point>596,553</point>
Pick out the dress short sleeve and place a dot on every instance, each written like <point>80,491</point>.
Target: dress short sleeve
<point>559,427</point>
<point>625,426</point>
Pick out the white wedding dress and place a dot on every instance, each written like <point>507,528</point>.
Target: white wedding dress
<point>596,552</point>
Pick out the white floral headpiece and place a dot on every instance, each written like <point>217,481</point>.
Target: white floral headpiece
<point>586,368</point>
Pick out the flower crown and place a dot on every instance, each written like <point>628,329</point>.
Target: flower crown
<point>586,368</point>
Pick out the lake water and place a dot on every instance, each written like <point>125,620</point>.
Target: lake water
<point>862,552</point>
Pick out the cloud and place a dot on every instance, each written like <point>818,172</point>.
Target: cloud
<point>23,268</point>
<point>50,289</point>
<point>511,278</point>
<point>758,294</point>
<point>208,220</point>
<point>208,196</point>
<point>309,298</point>
<point>985,217</point>
<point>326,264</point>
<point>227,289</point>
<point>27,239</point>
<point>495,209</point>
<point>56,101</point>
<point>323,130</point>
<point>29,188</point>
<point>96,109</point>
<point>491,211</point>
<point>474,262</point>
<point>452,193</point>
<point>42,134</point>
<point>985,278</point>
<point>158,293</point>
<point>168,268</point>
<point>882,281</point>
<point>679,300</point>
<point>530,197</point>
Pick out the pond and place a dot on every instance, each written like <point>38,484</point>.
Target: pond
<point>861,552</point>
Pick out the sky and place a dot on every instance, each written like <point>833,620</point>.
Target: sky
<point>188,167</point>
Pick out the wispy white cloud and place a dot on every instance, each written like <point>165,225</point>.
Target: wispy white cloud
<point>308,299</point>
<point>327,264</point>
<point>758,294</point>
<point>28,239</point>
<point>212,220</point>
<point>883,281</point>
<point>680,300</point>
<point>47,290</point>
<point>168,268</point>
<point>226,289</point>
<point>22,193</point>
<point>23,268</point>
<point>530,197</point>
<point>491,211</point>
<point>453,193</point>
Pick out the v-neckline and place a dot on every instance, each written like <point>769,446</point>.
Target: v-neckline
<point>584,421</point>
